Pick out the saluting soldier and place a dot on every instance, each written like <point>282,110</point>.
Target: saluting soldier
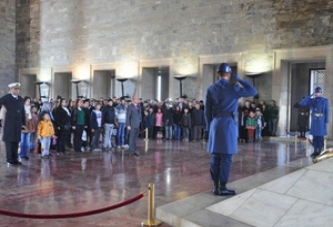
<point>14,122</point>
<point>319,118</point>
<point>221,119</point>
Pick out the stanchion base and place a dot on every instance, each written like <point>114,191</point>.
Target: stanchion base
<point>151,223</point>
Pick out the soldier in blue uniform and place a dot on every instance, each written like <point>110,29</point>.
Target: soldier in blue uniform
<point>222,123</point>
<point>319,118</point>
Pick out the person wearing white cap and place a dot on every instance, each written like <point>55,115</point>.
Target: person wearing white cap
<point>15,122</point>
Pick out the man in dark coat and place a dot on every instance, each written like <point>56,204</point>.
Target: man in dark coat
<point>133,120</point>
<point>221,121</point>
<point>14,122</point>
<point>303,118</point>
<point>320,110</point>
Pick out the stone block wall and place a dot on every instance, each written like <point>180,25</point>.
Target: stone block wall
<point>80,32</point>
<point>7,44</point>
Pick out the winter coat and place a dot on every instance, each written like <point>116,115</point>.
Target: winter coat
<point>221,114</point>
<point>14,118</point>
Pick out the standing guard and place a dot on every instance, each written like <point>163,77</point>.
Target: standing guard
<point>319,118</point>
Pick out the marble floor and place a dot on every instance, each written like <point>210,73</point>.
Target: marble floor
<point>80,182</point>
<point>302,198</point>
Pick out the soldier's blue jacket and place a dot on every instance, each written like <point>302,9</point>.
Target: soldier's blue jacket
<point>221,114</point>
<point>320,109</point>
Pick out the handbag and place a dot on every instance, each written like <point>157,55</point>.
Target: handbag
<point>84,135</point>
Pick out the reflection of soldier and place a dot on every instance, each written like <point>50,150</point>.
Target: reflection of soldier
<point>319,118</point>
<point>221,122</point>
<point>303,118</point>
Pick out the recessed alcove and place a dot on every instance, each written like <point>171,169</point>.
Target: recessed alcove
<point>104,83</point>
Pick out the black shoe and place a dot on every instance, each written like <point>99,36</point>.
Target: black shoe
<point>315,153</point>
<point>25,158</point>
<point>215,189</point>
<point>227,192</point>
<point>135,154</point>
<point>15,163</point>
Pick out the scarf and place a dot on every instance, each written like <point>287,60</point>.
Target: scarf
<point>66,109</point>
<point>28,112</point>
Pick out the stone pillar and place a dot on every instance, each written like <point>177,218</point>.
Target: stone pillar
<point>7,45</point>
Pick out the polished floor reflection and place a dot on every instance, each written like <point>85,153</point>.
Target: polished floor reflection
<point>80,182</point>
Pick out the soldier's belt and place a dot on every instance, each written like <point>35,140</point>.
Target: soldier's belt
<point>318,115</point>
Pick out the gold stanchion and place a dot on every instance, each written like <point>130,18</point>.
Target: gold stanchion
<point>151,209</point>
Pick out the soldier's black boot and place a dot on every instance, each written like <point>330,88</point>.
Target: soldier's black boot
<point>224,191</point>
<point>314,154</point>
<point>215,189</point>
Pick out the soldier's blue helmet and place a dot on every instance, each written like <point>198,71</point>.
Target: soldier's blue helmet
<point>224,68</point>
<point>318,90</point>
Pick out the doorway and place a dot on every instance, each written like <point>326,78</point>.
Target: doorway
<point>62,85</point>
<point>155,83</point>
<point>305,77</point>
<point>104,84</point>
<point>28,87</point>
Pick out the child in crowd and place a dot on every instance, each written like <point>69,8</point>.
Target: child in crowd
<point>45,131</point>
<point>159,124</point>
<point>96,126</point>
<point>186,124</point>
<point>260,124</point>
<point>251,124</point>
<point>197,115</point>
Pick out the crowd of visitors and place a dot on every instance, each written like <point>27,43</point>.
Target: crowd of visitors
<point>95,125</point>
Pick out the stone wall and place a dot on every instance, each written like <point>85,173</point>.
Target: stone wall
<point>84,32</point>
<point>7,44</point>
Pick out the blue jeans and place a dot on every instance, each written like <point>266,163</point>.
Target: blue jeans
<point>33,138</point>
<point>177,131</point>
<point>220,167</point>
<point>108,128</point>
<point>45,143</point>
<point>258,133</point>
<point>168,132</point>
<point>25,144</point>
<point>120,134</point>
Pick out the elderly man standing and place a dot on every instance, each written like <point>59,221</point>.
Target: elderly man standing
<point>221,119</point>
<point>133,120</point>
<point>14,122</point>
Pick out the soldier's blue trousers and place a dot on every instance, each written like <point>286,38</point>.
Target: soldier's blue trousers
<point>220,167</point>
<point>318,141</point>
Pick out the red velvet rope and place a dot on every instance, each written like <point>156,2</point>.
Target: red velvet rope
<point>71,215</point>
